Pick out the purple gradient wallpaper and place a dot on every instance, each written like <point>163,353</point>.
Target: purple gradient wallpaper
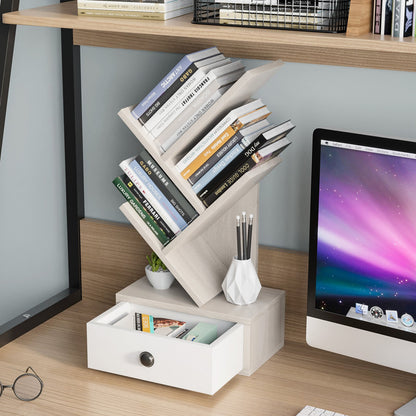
<point>366,231</point>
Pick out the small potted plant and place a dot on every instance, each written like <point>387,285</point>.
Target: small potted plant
<point>157,273</point>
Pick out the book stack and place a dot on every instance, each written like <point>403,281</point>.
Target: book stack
<point>153,197</point>
<point>394,17</point>
<point>239,142</point>
<point>184,95</point>
<point>143,9</point>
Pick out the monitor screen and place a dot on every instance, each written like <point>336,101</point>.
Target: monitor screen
<point>362,266</point>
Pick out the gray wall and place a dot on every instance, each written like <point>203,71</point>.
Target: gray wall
<point>361,100</point>
<point>32,200</point>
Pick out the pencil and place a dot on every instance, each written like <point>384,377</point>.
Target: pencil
<point>250,233</point>
<point>238,238</point>
<point>243,227</point>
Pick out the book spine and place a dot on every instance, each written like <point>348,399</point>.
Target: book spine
<point>167,187</point>
<point>156,193</point>
<point>196,176</point>
<point>149,196</point>
<point>193,81</point>
<point>387,17</point>
<point>223,186</point>
<point>217,168</point>
<point>377,17</point>
<point>219,141</point>
<point>163,85</point>
<point>122,6</point>
<point>242,158</point>
<point>144,215</point>
<point>159,102</point>
<point>210,101</point>
<point>148,207</point>
<point>147,15</point>
<point>408,18</point>
<point>396,18</point>
<point>203,143</point>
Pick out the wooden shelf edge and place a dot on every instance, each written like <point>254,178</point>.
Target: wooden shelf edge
<point>180,35</point>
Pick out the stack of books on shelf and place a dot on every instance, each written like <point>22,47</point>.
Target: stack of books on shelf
<point>394,17</point>
<point>239,142</point>
<point>185,94</point>
<point>144,9</point>
<point>153,197</point>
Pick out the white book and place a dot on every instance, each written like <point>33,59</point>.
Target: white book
<point>271,148</point>
<point>134,6</point>
<point>397,24</point>
<point>216,131</point>
<point>124,165</point>
<point>188,86</point>
<point>193,95</point>
<point>189,116</point>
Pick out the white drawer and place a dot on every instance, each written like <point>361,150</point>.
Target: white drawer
<point>115,346</point>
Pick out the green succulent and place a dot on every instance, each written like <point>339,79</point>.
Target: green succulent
<point>155,263</point>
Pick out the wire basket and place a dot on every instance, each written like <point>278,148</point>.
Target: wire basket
<point>306,15</point>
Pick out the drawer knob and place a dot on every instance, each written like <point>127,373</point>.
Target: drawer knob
<point>147,359</point>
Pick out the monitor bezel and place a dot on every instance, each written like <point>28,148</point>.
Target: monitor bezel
<point>355,139</point>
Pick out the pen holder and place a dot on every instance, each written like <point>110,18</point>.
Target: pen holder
<point>241,285</point>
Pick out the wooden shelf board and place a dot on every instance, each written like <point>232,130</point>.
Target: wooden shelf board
<point>180,35</point>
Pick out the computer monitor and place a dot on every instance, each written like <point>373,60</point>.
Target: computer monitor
<point>362,256</point>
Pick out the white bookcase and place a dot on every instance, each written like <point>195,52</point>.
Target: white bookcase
<point>198,258</point>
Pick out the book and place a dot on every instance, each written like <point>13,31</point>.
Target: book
<point>271,16</point>
<point>121,186</point>
<point>273,134</point>
<point>216,131</point>
<point>125,167</point>
<point>156,193</point>
<point>145,15</point>
<point>397,24</point>
<point>190,115</point>
<point>246,120</point>
<point>242,138</point>
<point>189,91</point>
<point>159,326</point>
<point>386,16</point>
<point>377,17</point>
<point>133,6</point>
<point>170,78</point>
<point>258,157</point>
<point>224,161</point>
<point>408,18</point>
<point>147,206</point>
<point>166,186</point>
<point>205,64</point>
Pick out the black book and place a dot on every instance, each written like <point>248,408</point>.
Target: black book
<point>257,158</point>
<point>166,186</point>
<point>269,136</point>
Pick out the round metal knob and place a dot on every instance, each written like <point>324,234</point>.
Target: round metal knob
<point>147,359</point>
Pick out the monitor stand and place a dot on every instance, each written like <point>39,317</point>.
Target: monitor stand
<point>409,409</point>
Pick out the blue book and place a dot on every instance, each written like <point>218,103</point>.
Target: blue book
<point>170,78</point>
<point>144,177</point>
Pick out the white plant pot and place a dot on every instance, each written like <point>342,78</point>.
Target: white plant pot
<point>241,285</point>
<point>160,280</point>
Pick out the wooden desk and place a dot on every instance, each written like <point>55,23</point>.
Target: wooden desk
<point>295,376</point>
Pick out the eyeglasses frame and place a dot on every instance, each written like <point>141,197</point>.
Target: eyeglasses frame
<point>25,374</point>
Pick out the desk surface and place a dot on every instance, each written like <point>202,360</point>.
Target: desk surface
<point>297,375</point>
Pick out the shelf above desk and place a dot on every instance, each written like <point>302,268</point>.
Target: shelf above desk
<point>181,36</point>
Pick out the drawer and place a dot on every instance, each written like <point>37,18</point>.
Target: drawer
<point>115,346</point>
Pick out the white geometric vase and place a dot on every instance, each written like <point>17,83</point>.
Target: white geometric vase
<point>241,285</point>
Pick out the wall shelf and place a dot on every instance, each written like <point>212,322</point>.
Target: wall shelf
<point>181,36</point>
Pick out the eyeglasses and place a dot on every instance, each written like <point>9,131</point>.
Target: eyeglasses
<point>28,386</point>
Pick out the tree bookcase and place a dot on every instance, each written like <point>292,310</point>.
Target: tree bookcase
<point>201,254</point>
